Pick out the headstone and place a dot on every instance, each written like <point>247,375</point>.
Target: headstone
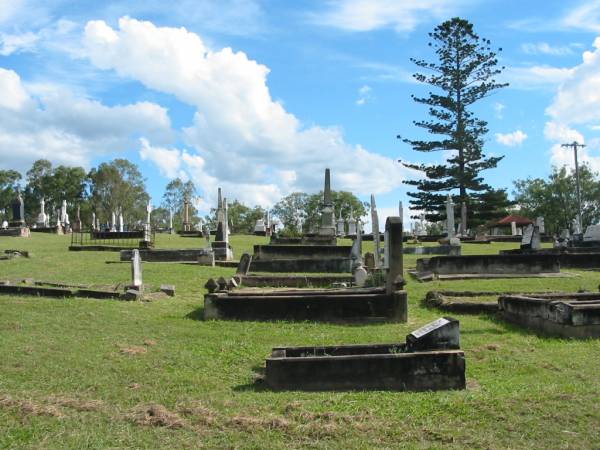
<point>168,289</point>
<point>327,214</point>
<point>136,270</point>
<point>394,263</point>
<point>219,236</point>
<point>260,227</point>
<point>513,228</point>
<point>369,261</point>
<point>64,218</point>
<point>186,215</point>
<point>120,221</point>
<point>351,224</point>
<point>113,220</point>
<point>450,217</point>
<point>170,221</point>
<point>42,219</point>
<point>539,221</point>
<point>527,235</point>
<point>463,219</point>
<point>225,221</point>
<point>94,226</point>
<point>360,276</point>
<point>18,211</point>
<point>592,233</point>
<point>340,225</point>
<point>375,228</point>
<point>441,334</point>
<point>147,226</point>
<point>356,252</point>
<point>531,238</point>
<point>244,265</point>
<point>576,228</point>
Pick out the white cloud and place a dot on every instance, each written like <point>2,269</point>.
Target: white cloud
<point>536,77</point>
<point>48,121</point>
<point>586,16</point>
<point>511,139</point>
<point>364,95</point>
<point>15,43</point>
<point>248,142</point>
<point>543,48</point>
<point>368,15</point>
<point>577,100</point>
<point>499,110</point>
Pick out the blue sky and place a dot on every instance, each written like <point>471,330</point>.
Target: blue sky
<point>260,96</point>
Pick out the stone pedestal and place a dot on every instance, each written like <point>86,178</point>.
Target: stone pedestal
<point>222,251</point>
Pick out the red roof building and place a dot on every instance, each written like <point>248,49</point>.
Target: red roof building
<point>520,221</point>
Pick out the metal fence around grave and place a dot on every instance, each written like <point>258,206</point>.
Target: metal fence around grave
<point>117,239</point>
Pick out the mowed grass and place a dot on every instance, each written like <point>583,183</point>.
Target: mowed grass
<point>82,373</point>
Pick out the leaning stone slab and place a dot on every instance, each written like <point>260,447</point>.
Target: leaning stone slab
<point>397,367</point>
<point>168,289</point>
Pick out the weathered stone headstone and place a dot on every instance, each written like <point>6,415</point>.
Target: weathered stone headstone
<point>18,211</point>
<point>187,226</point>
<point>327,227</point>
<point>120,221</point>
<point>513,228</point>
<point>441,334</point>
<point>527,234</point>
<point>356,252</point>
<point>395,267</point>
<point>360,276</point>
<point>539,222</point>
<point>42,219</point>
<point>375,230</point>
<point>136,270</point>
<point>171,221</point>
<point>592,233</point>
<point>369,261</point>
<point>94,225</point>
<point>341,225</point>
<point>463,219</point>
<point>450,217</point>
<point>351,224</point>
<point>113,220</point>
<point>244,265</point>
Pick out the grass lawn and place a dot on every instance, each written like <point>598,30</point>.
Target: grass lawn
<point>83,373</point>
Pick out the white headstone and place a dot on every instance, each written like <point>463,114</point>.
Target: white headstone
<point>340,225</point>
<point>225,221</point>
<point>136,269</point>
<point>351,224</point>
<point>94,227</point>
<point>360,276</point>
<point>120,221</point>
<point>540,224</point>
<point>527,235</point>
<point>592,233</point>
<point>513,228</point>
<point>113,221</point>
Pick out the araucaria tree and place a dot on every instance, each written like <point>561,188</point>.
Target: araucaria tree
<point>463,74</point>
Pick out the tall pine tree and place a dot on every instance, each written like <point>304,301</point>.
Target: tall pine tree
<point>463,74</point>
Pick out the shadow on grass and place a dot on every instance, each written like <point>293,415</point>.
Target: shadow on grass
<point>197,314</point>
<point>258,385</point>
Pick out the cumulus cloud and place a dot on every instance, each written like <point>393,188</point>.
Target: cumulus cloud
<point>367,15</point>
<point>364,95</point>
<point>247,141</point>
<point>48,121</point>
<point>536,77</point>
<point>543,48</point>
<point>511,139</point>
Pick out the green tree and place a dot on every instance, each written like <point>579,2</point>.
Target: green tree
<point>118,184</point>
<point>8,181</point>
<point>555,199</point>
<point>307,208</point>
<point>176,192</point>
<point>55,185</point>
<point>462,75</point>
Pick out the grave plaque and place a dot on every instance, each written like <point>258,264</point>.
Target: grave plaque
<point>244,265</point>
<point>136,269</point>
<point>440,334</point>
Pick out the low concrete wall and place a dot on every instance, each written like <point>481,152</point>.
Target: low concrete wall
<point>332,265</point>
<point>15,232</point>
<point>200,255</point>
<point>453,250</point>
<point>299,281</point>
<point>565,318</point>
<point>364,369</point>
<point>489,264</point>
<point>334,305</point>
<point>276,252</point>
<point>569,258</point>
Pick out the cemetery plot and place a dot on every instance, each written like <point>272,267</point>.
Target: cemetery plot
<point>430,360</point>
<point>575,315</point>
<point>111,240</point>
<point>486,266</point>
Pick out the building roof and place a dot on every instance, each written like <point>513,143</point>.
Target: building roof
<point>519,220</point>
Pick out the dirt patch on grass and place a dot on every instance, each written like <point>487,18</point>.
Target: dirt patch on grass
<point>133,350</point>
<point>80,405</point>
<point>252,423</point>
<point>156,415</point>
<point>30,408</point>
<point>149,342</point>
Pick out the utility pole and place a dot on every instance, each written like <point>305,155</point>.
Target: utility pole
<point>575,146</point>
